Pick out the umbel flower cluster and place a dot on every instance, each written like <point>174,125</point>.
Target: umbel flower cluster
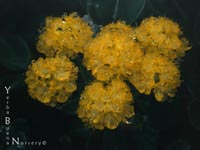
<point>146,56</point>
<point>51,80</point>
<point>106,105</point>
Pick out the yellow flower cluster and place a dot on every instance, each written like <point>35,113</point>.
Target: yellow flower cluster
<point>161,35</point>
<point>156,74</point>
<point>105,105</point>
<point>51,80</point>
<point>111,52</point>
<point>64,35</point>
<point>144,55</point>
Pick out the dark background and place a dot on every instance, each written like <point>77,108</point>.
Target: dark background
<point>172,125</point>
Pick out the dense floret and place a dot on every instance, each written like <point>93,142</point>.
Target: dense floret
<point>156,74</point>
<point>161,35</point>
<point>51,80</point>
<point>111,52</point>
<point>107,105</point>
<point>66,35</point>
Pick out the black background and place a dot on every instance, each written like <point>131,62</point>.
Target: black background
<point>172,125</point>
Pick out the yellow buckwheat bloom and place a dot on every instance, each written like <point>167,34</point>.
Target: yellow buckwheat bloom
<point>156,74</point>
<point>119,26</point>
<point>51,80</point>
<point>111,52</point>
<point>107,105</point>
<point>66,35</point>
<point>162,35</point>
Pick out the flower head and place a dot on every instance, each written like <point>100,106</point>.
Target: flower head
<point>156,74</point>
<point>64,35</point>
<point>51,80</point>
<point>162,35</point>
<point>111,52</point>
<point>106,105</point>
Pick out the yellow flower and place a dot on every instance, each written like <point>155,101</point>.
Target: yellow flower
<point>112,52</point>
<point>51,80</point>
<point>105,105</point>
<point>156,74</point>
<point>66,35</point>
<point>161,35</point>
<point>119,26</point>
